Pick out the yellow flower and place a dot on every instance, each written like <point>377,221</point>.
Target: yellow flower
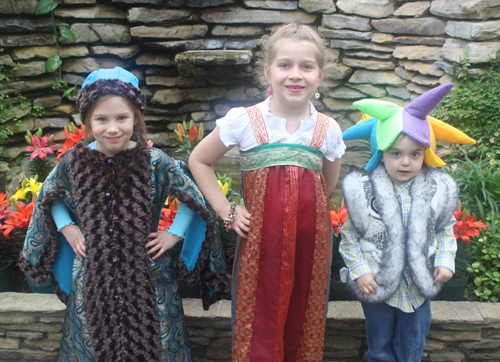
<point>32,185</point>
<point>224,188</point>
<point>20,194</point>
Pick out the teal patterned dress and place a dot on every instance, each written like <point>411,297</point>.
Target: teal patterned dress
<point>122,305</point>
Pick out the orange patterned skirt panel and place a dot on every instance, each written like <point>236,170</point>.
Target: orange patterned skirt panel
<point>281,271</point>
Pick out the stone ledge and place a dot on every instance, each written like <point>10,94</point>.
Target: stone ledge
<point>442,312</point>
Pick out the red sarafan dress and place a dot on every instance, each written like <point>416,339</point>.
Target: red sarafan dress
<point>281,271</point>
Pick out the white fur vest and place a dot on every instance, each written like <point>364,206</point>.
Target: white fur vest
<point>375,213</point>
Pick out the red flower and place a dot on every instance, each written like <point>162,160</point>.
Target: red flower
<point>467,226</point>
<point>167,218</point>
<point>4,203</point>
<point>38,148</point>
<point>338,217</point>
<point>168,213</point>
<point>19,219</point>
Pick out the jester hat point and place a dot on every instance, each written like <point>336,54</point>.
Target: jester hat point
<point>388,120</point>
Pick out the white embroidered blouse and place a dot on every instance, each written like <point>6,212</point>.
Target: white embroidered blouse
<point>235,129</point>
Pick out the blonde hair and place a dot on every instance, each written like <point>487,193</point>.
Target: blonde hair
<point>296,32</point>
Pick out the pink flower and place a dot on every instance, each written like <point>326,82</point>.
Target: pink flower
<point>38,148</point>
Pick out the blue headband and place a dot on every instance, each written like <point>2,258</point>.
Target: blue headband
<point>115,73</point>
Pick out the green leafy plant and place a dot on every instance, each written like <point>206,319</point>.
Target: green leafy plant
<point>486,270</point>
<point>479,185</point>
<point>473,106</point>
<point>189,138</point>
<point>54,62</point>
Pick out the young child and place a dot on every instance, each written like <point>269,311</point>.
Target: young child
<point>290,158</point>
<point>123,302</point>
<point>397,241</point>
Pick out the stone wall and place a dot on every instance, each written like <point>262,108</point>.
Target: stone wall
<point>30,330</point>
<point>197,58</point>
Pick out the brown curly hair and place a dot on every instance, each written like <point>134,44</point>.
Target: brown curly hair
<point>88,96</point>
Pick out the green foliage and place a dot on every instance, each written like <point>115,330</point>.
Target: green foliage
<point>39,167</point>
<point>54,62</point>
<point>479,191</point>
<point>8,106</point>
<point>45,6</point>
<point>486,270</point>
<point>473,106</point>
<point>8,117</point>
<point>479,185</point>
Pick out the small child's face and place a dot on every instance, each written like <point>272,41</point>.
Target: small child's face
<point>403,160</point>
<point>112,123</point>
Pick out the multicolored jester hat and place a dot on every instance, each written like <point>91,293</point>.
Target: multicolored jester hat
<point>388,120</point>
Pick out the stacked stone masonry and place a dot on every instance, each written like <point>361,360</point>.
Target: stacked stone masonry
<point>30,330</point>
<point>198,58</point>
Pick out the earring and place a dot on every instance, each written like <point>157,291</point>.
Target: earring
<point>316,95</point>
<point>269,91</point>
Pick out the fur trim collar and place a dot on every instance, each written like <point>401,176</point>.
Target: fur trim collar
<point>376,201</point>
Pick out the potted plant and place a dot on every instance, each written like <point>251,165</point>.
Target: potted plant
<point>467,226</point>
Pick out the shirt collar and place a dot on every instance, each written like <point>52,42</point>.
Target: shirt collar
<point>404,187</point>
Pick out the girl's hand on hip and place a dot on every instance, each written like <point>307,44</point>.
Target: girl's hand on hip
<point>75,238</point>
<point>442,274</point>
<point>367,284</point>
<point>241,223</point>
<point>162,241</point>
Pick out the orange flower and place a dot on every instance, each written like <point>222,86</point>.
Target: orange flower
<point>71,139</point>
<point>19,219</point>
<point>180,129</point>
<point>66,146</point>
<point>193,135</point>
<point>338,217</point>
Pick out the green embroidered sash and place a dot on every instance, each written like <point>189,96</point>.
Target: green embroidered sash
<point>281,154</point>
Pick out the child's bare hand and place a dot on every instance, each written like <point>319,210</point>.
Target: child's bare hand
<point>241,223</point>
<point>162,241</point>
<point>367,284</point>
<point>442,274</point>
<point>75,238</point>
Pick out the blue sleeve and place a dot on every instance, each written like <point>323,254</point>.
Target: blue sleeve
<point>181,221</point>
<point>60,214</point>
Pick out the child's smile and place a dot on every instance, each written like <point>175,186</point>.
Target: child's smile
<point>112,123</point>
<point>294,74</point>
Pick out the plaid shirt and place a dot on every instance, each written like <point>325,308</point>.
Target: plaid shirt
<point>406,298</point>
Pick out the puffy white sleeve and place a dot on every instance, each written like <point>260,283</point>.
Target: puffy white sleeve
<point>333,144</point>
<point>234,127</point>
